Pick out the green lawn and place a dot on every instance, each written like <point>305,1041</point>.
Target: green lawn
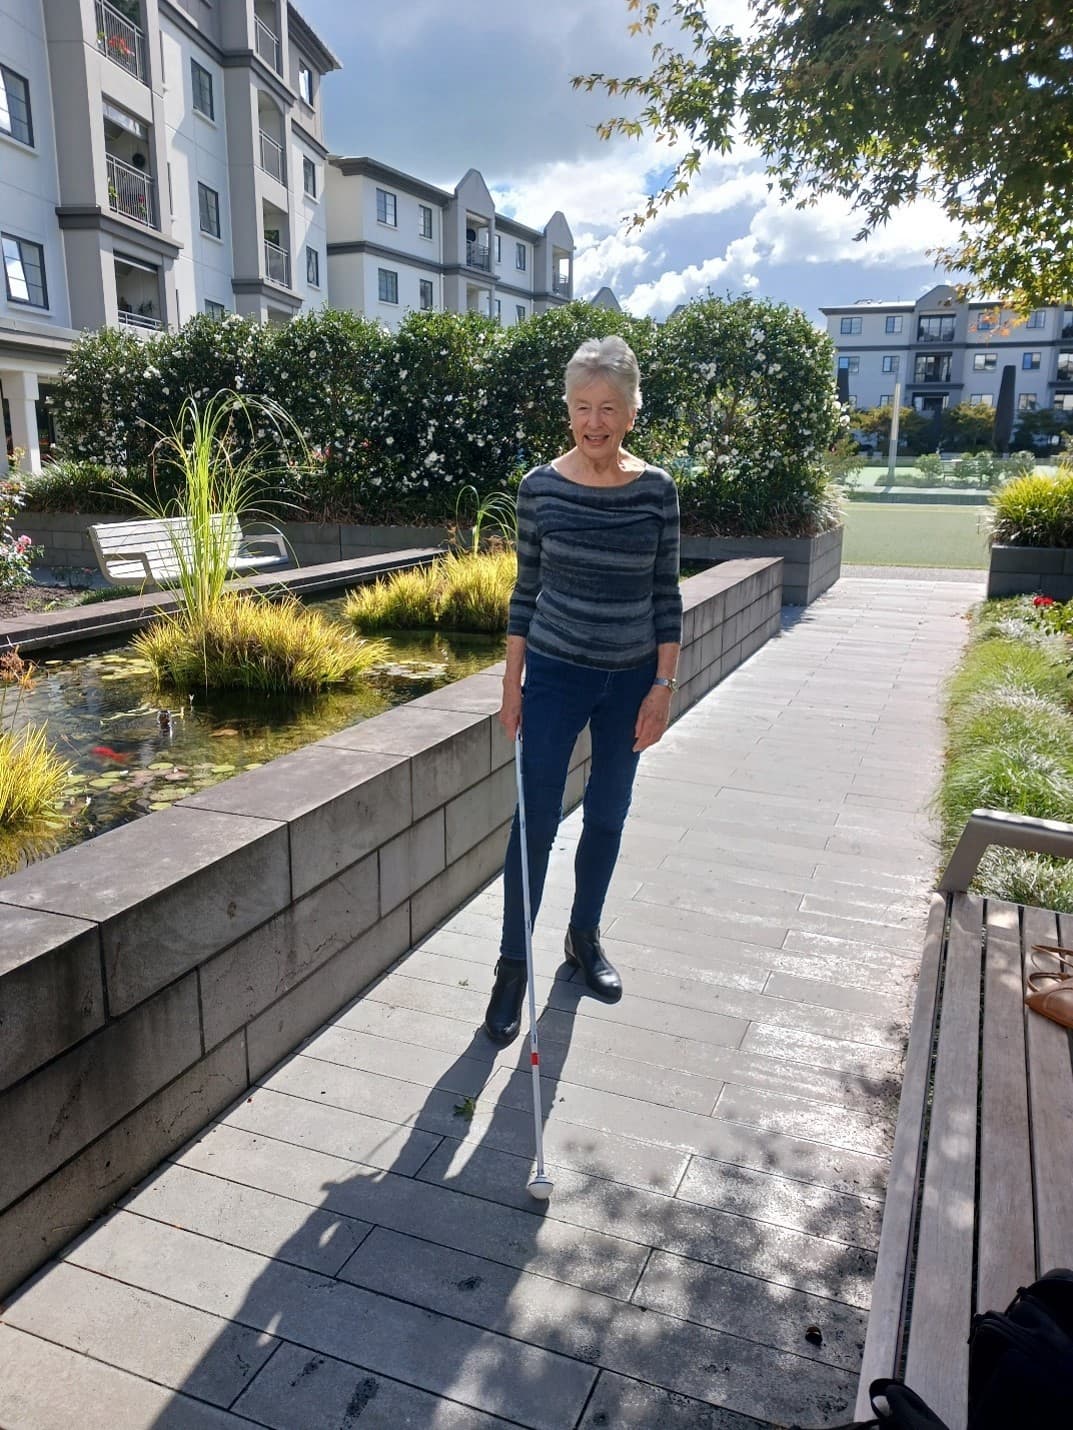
<point>905,534</point>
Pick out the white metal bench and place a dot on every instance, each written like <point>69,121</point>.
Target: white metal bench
<point>150,551</point>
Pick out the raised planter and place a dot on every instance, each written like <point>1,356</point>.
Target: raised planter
<point>811,564</point>
<point>1022,570</point>
<point>151,975</point>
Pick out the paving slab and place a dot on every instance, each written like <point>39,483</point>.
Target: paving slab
<point>352,1242</point>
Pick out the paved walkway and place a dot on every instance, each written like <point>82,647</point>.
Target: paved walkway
<point>353,1245</point>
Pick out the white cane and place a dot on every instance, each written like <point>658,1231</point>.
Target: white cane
<point>540,1186</point>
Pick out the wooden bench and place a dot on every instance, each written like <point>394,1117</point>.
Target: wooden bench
<point>150,552</point>
<point>980,1197</point>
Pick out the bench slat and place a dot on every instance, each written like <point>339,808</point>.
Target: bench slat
<point>882,1344</point>
<point>1050,1085</point>
<point>938,1354</point>
<point>148,551</point>
<point>1005,1228</point>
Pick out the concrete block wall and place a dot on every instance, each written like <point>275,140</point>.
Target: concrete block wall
<point>151,975</point>
<point>811,564</point>
<point>1026,570</point>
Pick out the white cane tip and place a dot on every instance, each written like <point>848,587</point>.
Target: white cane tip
<point>540,1188</point>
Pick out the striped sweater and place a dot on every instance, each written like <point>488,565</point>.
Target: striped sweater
<point>597,569</point>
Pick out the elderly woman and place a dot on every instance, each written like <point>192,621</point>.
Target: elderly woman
<point>595,626</point>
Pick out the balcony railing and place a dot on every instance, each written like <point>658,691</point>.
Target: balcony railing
<point>131,193</point>
<point>138,320</point>
<point>479,255</point>
<point>267,45</point>
<point>277,264</point>
<point>561,285</point>
<point>946,335</point>
<point>120,39</point>
<point>272,157</point>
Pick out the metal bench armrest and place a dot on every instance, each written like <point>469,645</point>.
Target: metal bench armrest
<point>986,827</point>
<point>269,538</point>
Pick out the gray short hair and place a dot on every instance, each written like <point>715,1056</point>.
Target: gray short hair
<point>611,359</point>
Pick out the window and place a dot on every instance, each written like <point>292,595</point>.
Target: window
<point>24,269</point>
<point>309,177</point>
<point>208,209</point>
<point>935,330</point>
<point>850,325</point>
<point>312,267</point>
<point>499,248</point>
<point>1067,323</point>
<point>424,220</point>
<point>987,321</point>
<point>891,364</point>
<point>1065,365</point>
<point>886,398</point>
<point>386,208</point>
<point>499,310</point>
<point>305,82</point>
<point>1030,362</point>
<point>1063,402</point>
<point>892,324</point>
<point>425,288</point>
<point>15,117</point>
<point>1037,318</point>
<point>388,285</point>
<point>984,362</point>
<point>519,257</point>
<point>519,312</point>
<point>981,399</point>
<point>1027,402</point>
<point>849,364</point>
<point>932,367</point>
<point>214,310</point>
<point>202,82</point>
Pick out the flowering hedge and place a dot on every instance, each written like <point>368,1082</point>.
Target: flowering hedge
<point>15,551</point>
<point>739,401</point>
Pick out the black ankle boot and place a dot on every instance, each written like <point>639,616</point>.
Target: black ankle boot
<point>583,948</point>
<point>504,1015</point>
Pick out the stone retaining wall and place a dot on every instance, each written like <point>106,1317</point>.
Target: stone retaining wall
<point>811,564</point>
<point>151,975</point>
<point>1025,570</point>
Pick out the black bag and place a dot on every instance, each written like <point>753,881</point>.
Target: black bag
<point>1020,1368</point>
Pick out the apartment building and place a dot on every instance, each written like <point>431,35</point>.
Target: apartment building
<point>397,244</point>
<point>158,158</point>
<point>945,353</point>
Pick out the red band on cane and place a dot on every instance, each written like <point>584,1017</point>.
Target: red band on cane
<point>535,1059</point>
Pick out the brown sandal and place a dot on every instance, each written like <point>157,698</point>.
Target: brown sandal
<point>1054,1003</point>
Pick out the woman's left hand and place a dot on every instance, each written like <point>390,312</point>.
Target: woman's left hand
<point>652,718</point>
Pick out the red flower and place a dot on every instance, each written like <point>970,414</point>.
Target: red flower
<point>1043,600</point>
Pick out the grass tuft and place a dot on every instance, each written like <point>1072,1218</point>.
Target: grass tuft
<point>249,643</point>
<point>465,591</point>
<point>1035,510</point>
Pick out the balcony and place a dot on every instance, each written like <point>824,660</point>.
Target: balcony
<point>120,39</point>
<point>132,193</point>
<point>561,285</point>
<point>267,43</point>
<point>139,320</point>
<point>277,264</point>
<point>479,255</point>
<point>272,161</point>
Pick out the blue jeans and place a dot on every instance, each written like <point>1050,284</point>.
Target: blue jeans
<point>558,700</point>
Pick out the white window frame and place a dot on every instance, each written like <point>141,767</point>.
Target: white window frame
<point>1037,318</point>
<point>425,222</point>
<point>984,362</point>
<point>426,289</point>
<point>314,254</point>
<point>1028,402</point>
<point>892,323</point>
<point>305,92</point>
<point>309,168</point>
<point>520,314</point>
<point>520,257</point>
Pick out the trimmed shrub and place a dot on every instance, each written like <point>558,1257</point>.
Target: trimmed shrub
<point>1034,510</point>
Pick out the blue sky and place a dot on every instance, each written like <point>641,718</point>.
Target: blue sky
<point>435,88</point>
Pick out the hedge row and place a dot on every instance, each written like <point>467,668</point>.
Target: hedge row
<point>738,401</point>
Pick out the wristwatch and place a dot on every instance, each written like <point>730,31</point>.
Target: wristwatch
<point>668,680</point>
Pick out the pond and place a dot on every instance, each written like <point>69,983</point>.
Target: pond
<point>135,748</point>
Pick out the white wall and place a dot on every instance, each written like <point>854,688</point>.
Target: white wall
<point>197,152</point>
<point>29,184</point>
<point>310,224</point>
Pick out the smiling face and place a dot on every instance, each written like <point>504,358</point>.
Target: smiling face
<point>600,417</point>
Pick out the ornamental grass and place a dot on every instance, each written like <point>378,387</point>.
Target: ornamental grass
<point>1034,510</point>
<point>33,778</point>
<point>245,642</point>
<point>465,591</point>
<point>1010,720</point>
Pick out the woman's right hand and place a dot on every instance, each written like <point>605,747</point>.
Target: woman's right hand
<point>510,711</point>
